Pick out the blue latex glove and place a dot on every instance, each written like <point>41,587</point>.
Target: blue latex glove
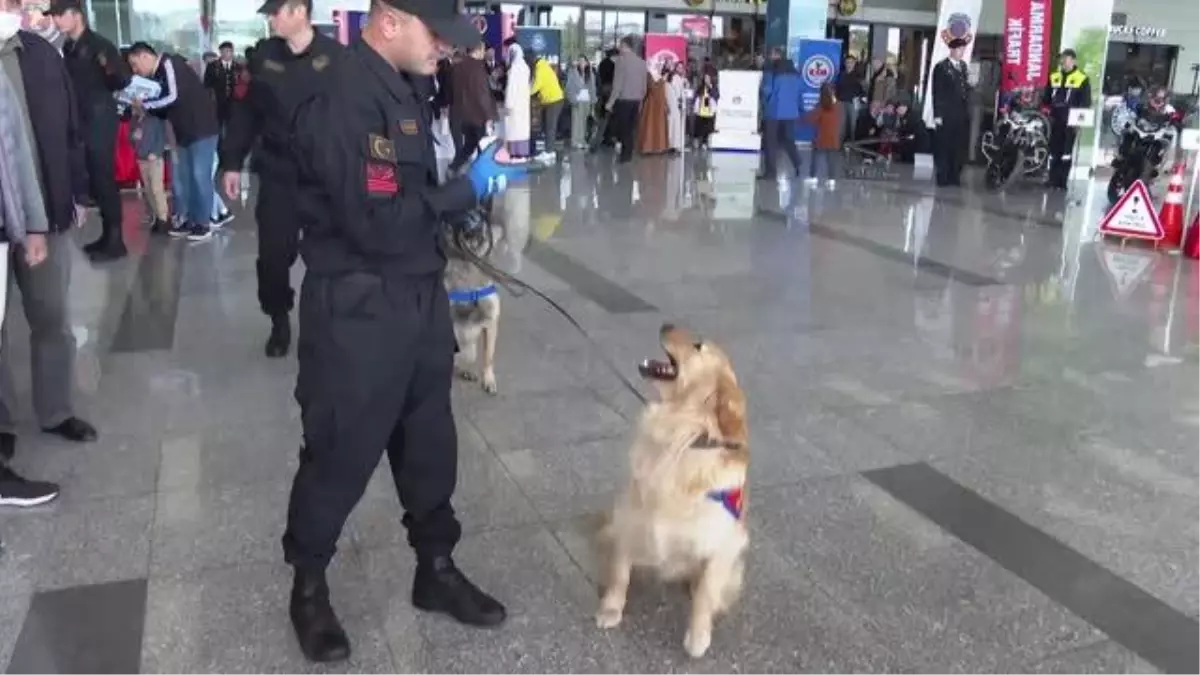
<point>490,176</point>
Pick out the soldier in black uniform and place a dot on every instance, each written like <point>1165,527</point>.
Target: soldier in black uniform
<point>97,70</point>
<point>376,340</point>
<point>951,114</point>
<point>1068,87</point>
<point>298,56</point>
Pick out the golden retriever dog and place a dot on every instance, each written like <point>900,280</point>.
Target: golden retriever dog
<point>683,512</point>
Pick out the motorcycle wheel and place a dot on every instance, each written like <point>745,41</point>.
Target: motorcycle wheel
<point>1001,173</point>
<point>1117,185</point>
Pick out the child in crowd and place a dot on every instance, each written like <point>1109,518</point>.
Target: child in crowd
<point>148,134</point>
<point>827,142</point>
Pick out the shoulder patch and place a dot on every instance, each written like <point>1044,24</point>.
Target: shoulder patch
<point>381,149</point>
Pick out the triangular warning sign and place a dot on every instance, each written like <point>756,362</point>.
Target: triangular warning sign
<point>1125,268</point>
<point>1133,216</point>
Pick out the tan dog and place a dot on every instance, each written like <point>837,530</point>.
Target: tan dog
<point>475,310</point>
<point>683,514</point>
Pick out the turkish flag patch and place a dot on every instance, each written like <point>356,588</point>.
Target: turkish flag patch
<point>381,179</point>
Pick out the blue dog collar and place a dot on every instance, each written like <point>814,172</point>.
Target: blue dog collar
<point>470,297</point>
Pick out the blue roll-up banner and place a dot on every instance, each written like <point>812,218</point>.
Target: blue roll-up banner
<point>818,61</point>
<point>541,41</point>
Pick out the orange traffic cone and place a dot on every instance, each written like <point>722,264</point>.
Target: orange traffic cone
<point>1191,243</point>
<point>1171,215</point>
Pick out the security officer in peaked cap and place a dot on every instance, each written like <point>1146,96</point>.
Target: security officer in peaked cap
<point>296,57</point>
<point>376,343</point>
<point>1068,87</point>
<point>951,114</point>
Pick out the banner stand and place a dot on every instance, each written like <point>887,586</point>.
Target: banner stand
<point>737,112</point>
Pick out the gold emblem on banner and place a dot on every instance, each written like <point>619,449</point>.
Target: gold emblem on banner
<point>847,7</point>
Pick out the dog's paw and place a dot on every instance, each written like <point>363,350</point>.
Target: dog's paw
<point>466,374</point>
<point>489,383</point>
<point>696,643</point>
<point>608,617</point>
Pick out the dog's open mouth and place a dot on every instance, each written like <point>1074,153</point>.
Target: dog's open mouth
<point>653,369</point>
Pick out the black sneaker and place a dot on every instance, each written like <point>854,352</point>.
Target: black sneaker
<point>180,229</point>
<point>160,227</point>
<point>199,232</point>
<point>17,491</point>
<point>222,220</point>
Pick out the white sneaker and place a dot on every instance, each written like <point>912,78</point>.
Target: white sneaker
<point>830,184</point>
<point>811,181</point>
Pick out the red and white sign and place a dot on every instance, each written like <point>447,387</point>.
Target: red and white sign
<point>1026,44</point>
<point>664,47</point>
<point>1126,268</point>
<point>1133,216</point>
<point>698,27</point>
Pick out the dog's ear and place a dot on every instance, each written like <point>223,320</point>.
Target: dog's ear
<point>731,411</point>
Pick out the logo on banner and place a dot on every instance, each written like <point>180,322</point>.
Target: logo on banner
<point>958,27</point>
<point>664,57</point>
<point>538,42</point>
<point>480,22</point>
<point>817,70</point>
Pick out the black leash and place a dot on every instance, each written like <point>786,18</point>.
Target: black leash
<point>458,242</point>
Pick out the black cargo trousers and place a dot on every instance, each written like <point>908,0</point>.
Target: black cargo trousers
<point>376,355</point>
<point>278,243</point>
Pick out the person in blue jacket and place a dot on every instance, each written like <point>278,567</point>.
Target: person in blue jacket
<point>781,109</point>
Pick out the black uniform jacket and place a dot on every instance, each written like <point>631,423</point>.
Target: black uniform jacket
<point>276,75</point>
<point>369,196</point>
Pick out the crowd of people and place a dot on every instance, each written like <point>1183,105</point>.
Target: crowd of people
<point>539,106</point>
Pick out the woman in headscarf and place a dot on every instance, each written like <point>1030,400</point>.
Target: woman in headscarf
<point>652,127</point>
<point>516,104</point>
<point>677,107</point>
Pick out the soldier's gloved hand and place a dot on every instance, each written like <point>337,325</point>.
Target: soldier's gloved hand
<point>490,175</point>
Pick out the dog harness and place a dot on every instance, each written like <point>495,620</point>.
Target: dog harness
<point>471,296</point>
<point>730,498</point>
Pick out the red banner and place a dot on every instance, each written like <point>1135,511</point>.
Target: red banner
<point>1026,44</point>
<point>663,47</point>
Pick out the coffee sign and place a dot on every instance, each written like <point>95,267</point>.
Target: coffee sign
<point>1144,32</point>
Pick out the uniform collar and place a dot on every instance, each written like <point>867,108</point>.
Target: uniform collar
<point>397,83</point>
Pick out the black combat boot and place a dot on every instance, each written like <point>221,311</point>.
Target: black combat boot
<point>439,586</point>
<point>317,628</point>
<point>280,339</point>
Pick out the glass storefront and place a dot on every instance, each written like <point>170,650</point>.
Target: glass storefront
<point>174,25</point>
<point>1149,64</point>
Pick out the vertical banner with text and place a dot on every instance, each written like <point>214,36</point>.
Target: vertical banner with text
<point>665,47</point>
<point>818,62</point>
<point>957,19</point>
<point>1085,28</point>
<point>1027,29</point>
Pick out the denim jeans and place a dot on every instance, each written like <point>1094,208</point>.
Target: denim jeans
<point>218,204</point>
<point>822,160</point>
<point>193,185</point>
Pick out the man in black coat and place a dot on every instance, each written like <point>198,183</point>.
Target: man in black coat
<point>220,77</point>
<point>97,71</point>
<point>41,81</point>
<point>951,114</point>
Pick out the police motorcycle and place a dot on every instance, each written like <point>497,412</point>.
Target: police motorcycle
<point>1145,136</point>
<point>1018,146</point>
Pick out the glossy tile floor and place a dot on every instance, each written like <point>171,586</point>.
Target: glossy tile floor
<point>974,432</point>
